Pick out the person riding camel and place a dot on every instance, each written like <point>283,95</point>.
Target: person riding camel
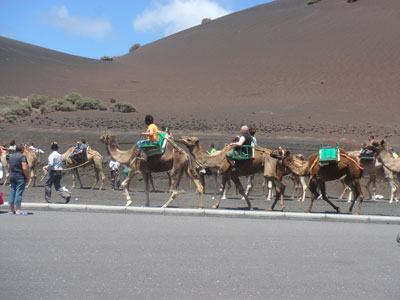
<point>151,136</point>
<point>244,139</point>
<point>79,152</point>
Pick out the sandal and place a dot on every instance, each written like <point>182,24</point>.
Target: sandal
<point>21,213</point>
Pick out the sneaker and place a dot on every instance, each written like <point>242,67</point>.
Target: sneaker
<point>67,199</point>
<point>203,171</point>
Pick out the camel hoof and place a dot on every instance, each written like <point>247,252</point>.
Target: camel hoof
<point>282,208</point>
<point>357,213</point>
<point>214,206</point>
<point>307,211</point>
<point>129,203</point>
<point>251,208</point>
<point>269,209</point>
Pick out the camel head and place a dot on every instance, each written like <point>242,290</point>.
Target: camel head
<point>190,142</point>
<point>375,145</point>
<point>280,153</point>
<point>107,138</point>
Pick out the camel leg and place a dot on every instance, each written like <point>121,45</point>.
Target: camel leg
<point>371,179</point>
<point>393,189</point>
<point>304,188</point>
<point>270,186</point>
<point>125,185</point>
<point>198,185</point>
<point>322,186</point>
<point>264,184</point>
<point>153,189</point>
<point>239,187</point>
<point>96,178</point>
<point>356,187</point>
<point>249,185</point>
<point>177,174</point>
<point>222,191</point>
<point>75,171</point>
<point>203,182</point>
<point>313,188</point>
<point>280,192</point>
<point>215,177</point>
<point>147,187</point>
<point>227,186</point>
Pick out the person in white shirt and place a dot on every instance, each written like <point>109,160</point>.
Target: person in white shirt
<point>54,167</point>
<point>114,166</point>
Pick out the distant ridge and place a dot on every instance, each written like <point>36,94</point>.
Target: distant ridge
<point>330,61</point>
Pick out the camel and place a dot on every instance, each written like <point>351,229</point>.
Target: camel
<point>4,164</point>
<point>346,166</point>
<point>384,155</point>
<point>126,156</point>
<point>92,157</point>
<point>32,161</point>
<point>373,169</point>
<point>174,159</point>
<point>262,163</point>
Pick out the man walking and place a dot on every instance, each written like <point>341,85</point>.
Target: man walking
<point>19,174</point>
<point>54,167</point>
<point>114,166</point>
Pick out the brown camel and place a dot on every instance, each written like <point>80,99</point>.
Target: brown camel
<point>92,157</point>
<point>384,155</point>
<point>373,169</point>
<point>126,156</point>
<point>174,159</point>
<point>346,166</point>
<point>261,163</point>
<point>32,161</point>
<point>3,157</point>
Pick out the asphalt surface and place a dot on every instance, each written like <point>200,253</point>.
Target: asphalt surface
<point>57,255</point>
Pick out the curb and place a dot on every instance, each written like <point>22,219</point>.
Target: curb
<point>226,213</point>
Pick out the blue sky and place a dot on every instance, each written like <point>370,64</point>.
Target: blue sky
<point>94,28</point>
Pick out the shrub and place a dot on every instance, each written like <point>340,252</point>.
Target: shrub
<point>134,47</point>
<point>72,97</point>
<point>113,100</point>
<point>205,21</point>
<point>60,105</point>
<point>37,100</point>
<point>107,58</point>
<point>18,110</point>
<point>123,107</point>
<point>309,2</point>
<point>86,103</point>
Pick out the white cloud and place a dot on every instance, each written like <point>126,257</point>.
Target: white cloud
<point>175,15</point>
<point>96,28</point>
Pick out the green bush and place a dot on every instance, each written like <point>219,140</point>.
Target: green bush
<point>72,97</point>
<point>123,107</point>
<point>18,110</point>
<point>60,105</point>
<point>309,2</point>
<point>107,58</point>
<point>205,21</point>
<point>37,100</point>
<point>86,103</point>
<point>134,47</point>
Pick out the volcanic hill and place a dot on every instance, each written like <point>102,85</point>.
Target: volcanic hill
<point>328,62</point>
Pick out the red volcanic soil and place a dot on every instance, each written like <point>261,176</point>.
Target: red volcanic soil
<point>282,62</point>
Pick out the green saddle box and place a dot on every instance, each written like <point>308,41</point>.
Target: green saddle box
<point>154,147</point>
<point>329,155</point>
<point>244,152</point>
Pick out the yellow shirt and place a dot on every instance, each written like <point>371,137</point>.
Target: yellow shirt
<point>152,129</point>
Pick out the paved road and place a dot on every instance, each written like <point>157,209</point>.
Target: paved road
<point>56,255</point>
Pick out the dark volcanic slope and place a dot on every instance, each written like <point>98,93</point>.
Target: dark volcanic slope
<point>329,61</point>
